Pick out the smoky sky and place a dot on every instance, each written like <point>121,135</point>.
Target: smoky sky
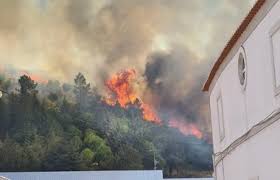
<point>171,74</point>
<point>170,78</point>
<point>121,31</point>
<point>172,43</point>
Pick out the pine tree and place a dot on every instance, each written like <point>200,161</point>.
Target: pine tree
<point>81,90</point>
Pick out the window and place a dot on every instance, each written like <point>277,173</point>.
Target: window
<point>221,118</point>
<point>275,43</point>
<point>242,69</point>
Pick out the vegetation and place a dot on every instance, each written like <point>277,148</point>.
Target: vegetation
<point>68,127</point>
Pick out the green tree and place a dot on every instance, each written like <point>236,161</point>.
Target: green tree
<point>81,90</point>
<point>102,152</point>
<point>128,158</point>
<point>104,157</point>
<point>4,83</point>
<point>50,132</point>
<point>87,155</point>
<point>27,85</point>
<point>92,141</point>
<point>4,117</point>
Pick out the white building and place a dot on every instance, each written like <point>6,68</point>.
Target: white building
<point>244,89</point>
<point>89,175</point>
<point>3,178</point>
<point>85,175</point>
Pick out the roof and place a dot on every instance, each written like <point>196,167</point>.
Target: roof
<point>3,178</point>
<point>191,179</point>
<point>243,26</point>
<point>90,175</point>
<point>85,175</point>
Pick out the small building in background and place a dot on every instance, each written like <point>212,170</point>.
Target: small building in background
<point>244,89</point>
<point>85,175</point>
<point>89,175</point>
<point>3,178</point>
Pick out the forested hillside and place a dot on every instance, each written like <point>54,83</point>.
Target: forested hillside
<point>55,126</point>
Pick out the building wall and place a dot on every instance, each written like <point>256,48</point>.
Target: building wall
<point>190,179</point>
<point>85,175</point>
<point>243,109</point>
<point>90,175</point>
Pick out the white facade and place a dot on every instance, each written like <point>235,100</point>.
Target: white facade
<point>89,175</point>
<point>85,175</point>
<point>246,129</point>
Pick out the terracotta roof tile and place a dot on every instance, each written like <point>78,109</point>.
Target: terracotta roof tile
<point>232,42</point>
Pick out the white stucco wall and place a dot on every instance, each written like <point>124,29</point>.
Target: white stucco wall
<point>91,175</point>
<point>85,175</point>
<point>258,156</point>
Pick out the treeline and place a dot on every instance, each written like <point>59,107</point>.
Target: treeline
<point>68,127</point>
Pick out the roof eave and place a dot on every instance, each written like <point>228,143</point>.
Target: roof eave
<point>231,43</point>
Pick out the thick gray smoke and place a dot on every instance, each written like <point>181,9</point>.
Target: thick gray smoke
<point>171,42</point>
<point>170,77</point>
<point>121,31</point>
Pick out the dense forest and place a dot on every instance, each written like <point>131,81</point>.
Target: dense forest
<point>54,126</point>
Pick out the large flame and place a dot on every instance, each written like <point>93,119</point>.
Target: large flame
<point>120,86</point>
<point>185,128</point>
<point>123,91</point>
<point>149,114</point>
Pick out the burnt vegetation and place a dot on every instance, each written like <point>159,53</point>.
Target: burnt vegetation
<point>54,126</point>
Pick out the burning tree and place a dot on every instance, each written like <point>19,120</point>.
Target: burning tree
<point>122,91</point>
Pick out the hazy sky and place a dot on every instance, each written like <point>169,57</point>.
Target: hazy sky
<point>172,43</point>
<point>58,38</point>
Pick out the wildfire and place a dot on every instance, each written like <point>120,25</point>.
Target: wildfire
<point>186,129</point>
<point>122,91</point>
<point>149,114</point>
<point>120,86</point>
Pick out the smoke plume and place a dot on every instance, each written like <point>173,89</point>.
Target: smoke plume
<point>170,43</point>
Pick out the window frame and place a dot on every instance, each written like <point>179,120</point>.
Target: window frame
<point>221,120</point>
<point>272,32</point>
<point>242,53</point>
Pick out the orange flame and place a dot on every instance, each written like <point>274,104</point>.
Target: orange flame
<point>186,129</point>
<point>123,92</point>
<point>120,85</point>
<point>149,114</point>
